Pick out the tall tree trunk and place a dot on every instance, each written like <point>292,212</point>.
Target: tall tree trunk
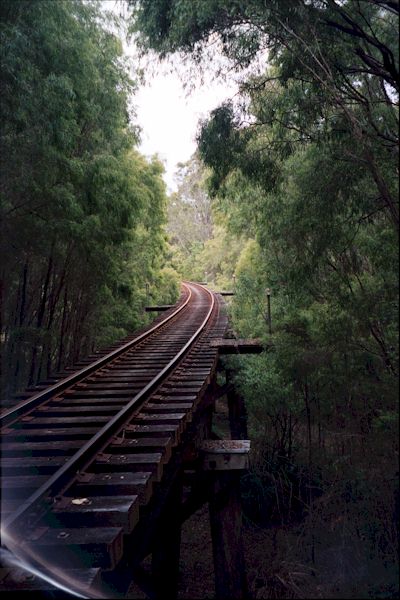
<point>23,294</point>
<point>40,316</point>
<point>62,332</point>
<point>15,353</point>
<point>308,414</point>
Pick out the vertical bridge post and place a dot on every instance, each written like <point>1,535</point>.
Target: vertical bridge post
<point>225,460</point>
<point>166,553</point>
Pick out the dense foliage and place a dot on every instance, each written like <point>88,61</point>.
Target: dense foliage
<point>82,212</point>
<point>305,165</point>
<point>202,249</point>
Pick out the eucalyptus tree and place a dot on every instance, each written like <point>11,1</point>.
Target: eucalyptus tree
<point>82,213</point>
<point>308,161</point>
<point>305,161</point>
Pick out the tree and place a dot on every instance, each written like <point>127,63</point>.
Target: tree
<point>189,218</point>
<point>189,209</point>
<point>82,213</point>
<point>334,55</point>
<point>305,165</point>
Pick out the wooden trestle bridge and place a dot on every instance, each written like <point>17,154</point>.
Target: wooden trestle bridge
<point>94,463</point>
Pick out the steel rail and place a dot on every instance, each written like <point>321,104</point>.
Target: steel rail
<point>85,455</point>
<point>26,406</point>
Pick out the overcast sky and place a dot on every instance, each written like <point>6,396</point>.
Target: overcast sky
<point>166,112</point>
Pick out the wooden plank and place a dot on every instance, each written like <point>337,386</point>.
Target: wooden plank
<point>121,381</point>
<point>130,462</point>
<point>63,421</point>
<point>111,386</point>
<point>171,419</point>
<point>26,465</point>
<point>225,455</point>
<point>104,511</point>
<point>162,445</point>
<point>167,419</point>
<point>197,382</point>
<point>133,374</point>
<point>40,448</point>
<point>178,390</point>
<point>83,409</point>
<point>71,402</point>
<point>43,434</point>
<point>128,375</point>
<point>127,393</point>
<point>85,546</point>
<point>203,363</point>
<point>150,355</point>
<point>161,398</point>
<point>237,346</point>
<point>114,484</point>
<point>196,372</point>
<point>153,430</point>
<point>115,383</point>
<point>165,408</point>
<point>170,408</point>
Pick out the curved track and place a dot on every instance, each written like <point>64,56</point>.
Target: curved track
<point>80,457</point>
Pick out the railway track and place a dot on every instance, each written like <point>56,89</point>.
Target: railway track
<point>82,458</point>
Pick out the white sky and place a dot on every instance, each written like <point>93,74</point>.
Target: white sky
<point>168,114</point>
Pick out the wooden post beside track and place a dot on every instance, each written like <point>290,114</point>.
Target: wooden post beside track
<point>166,552</point>
<point>225,460</point>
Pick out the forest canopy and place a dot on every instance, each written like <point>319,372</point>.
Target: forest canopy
<point>82,212</point>
<point>303,163</point>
